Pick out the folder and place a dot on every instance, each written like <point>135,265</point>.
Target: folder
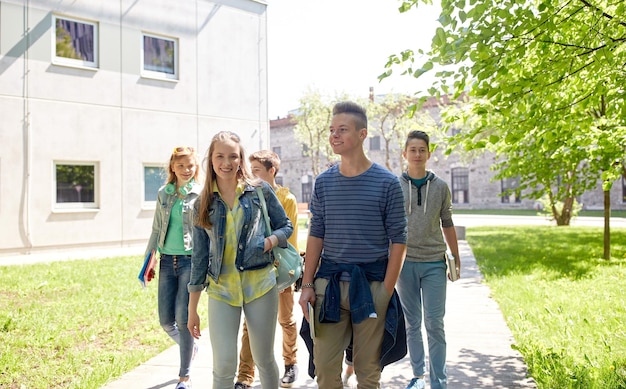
<point>311,320</point>
<point>149,264</point>
<point>451,267</point>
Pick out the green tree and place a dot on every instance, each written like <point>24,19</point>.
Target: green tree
<point>392,117</point>
<point>545,81</point>
<point>64,46</point>
<point>313,118</point>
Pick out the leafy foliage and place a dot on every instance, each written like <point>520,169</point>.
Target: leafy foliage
<point>313,118</point>
<point>545,86</point>
<point>393,117</point>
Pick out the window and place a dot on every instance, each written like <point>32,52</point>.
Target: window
<point>454,131</point>
<point>75,42</point>
<point>305,150</point>
<point>375,143</point>
<point>75,185</point>
<point>307,188</point>
<point>160,57</point>
<point>510,191</point>
<point>277,150</point>
<point>153,179</point>
<point>624,189</point>
<point>460,185</point>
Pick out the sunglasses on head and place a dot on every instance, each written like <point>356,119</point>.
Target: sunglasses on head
<point>183,149</point>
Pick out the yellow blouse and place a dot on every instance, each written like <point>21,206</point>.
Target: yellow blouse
<point>237,288</point>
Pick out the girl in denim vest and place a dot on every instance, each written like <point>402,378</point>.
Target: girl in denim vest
<point>171,237</point>
<point>231,259</point>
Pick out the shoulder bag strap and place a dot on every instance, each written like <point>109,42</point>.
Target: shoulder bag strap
<point>268,228</point>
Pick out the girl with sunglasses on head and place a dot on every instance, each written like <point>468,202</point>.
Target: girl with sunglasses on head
<point>232,260</point>
<point>172,230</point>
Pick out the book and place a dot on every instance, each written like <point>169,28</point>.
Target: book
<point>452,267</point>
<point>311,320</point>
<point>149,264</point>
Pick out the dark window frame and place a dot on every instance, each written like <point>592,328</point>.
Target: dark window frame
<point>509,187</point>
<point>375,143</point>
<point>76,185</point>
<point>460,185</point>
<point>307,189</point>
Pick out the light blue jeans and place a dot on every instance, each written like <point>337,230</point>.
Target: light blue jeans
<point>423,285</point>
<point>224,323</point>
<point>174,273</point>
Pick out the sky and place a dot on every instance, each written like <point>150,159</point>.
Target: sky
<point>337,46</point>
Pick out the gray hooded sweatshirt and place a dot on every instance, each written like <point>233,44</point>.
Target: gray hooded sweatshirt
<point>428,209</point>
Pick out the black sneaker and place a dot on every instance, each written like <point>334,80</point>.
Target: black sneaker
<point>291,375</point>
<point>241,385</point>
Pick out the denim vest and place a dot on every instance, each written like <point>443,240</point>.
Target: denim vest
<point>164,205</point>
<point>209,244</point>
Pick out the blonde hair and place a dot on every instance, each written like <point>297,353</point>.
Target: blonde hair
<point>178,153</point>
<point>243,175</point>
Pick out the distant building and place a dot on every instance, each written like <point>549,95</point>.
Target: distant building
<point>472,185</point>
<point>95,94</point>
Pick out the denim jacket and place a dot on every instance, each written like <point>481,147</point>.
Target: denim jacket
<point>361,301</point>
<point>161,220</point>
<point>394,346</point>
<point>208,244</point>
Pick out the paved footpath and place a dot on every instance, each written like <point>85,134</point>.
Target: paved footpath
<point>479,347</point>
<point>479,342</point>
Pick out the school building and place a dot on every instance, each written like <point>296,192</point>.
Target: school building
<point>472,183</point>
<point>94,95</point>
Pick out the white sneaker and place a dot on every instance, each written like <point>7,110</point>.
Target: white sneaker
<point>349,381</point>
<point>417,383</point>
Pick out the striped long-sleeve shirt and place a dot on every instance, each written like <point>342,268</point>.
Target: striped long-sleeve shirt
<point>358,217</point>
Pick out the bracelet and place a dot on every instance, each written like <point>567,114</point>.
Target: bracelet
<point>307,285</point>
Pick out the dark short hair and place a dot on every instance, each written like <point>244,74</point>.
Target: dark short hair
<point>353,109</point>
<point>416,134</point>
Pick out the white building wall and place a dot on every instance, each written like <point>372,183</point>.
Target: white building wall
<point>113,117</point>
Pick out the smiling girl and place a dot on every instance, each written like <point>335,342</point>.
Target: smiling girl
<point>232,260</point>
<point>172,228</point>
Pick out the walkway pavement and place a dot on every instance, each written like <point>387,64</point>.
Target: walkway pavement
<point>479,342</point>
<point>479,347</point>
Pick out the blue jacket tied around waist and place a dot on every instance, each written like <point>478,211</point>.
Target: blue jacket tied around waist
<point>394,345</point>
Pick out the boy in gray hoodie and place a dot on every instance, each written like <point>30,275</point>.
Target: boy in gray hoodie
<point>422,281</point>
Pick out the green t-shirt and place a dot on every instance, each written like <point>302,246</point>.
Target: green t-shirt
<point>174,244</point>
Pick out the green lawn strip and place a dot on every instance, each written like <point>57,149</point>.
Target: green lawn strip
<point>565,305</point>
<point>531,212</point>
<point>76,324</point>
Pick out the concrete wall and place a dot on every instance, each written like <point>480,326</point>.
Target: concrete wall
<point>115,117</point>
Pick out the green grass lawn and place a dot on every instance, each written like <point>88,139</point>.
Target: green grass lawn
<point>565,305</point>
<point>80,324</point>
<point>530,212</point>
<point>76,324</point>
